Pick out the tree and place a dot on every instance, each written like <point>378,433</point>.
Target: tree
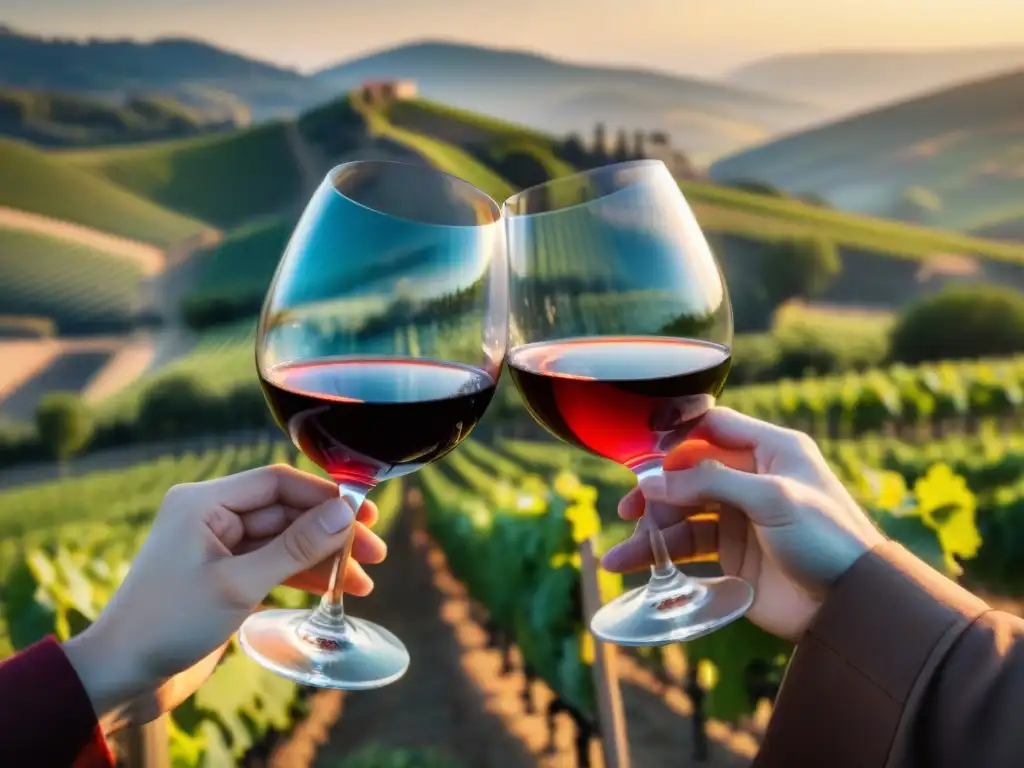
<point>639,144</point>
<point>176,406</point>
<point>621,151</point>
<point>600,150</point>
<point>800,268</point>
<point>961,322</point>
<point>574,152</point>
<point>64,424</point>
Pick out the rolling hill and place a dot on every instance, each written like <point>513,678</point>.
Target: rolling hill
<point>192,70</point>
<point>888,263</point>
<point>34,181</point>
<point>60,119</point>
<point>558,96</point>
<point>222,180</point>
<point>844,81</point>
<point>952,159</point>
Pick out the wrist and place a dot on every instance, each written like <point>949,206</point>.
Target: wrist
<point>110,679</point>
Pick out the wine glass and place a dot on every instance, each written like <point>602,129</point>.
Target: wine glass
<point>379,348</point>
<point>619,332</point>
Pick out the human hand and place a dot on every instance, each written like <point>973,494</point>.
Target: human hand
<point>215,550</point>
<point>786,524</point>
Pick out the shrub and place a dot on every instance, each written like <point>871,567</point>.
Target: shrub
<point>801,268</point>
<point>175,406</point>
<point>961,322</point>
<point>64,424</point>
<point>755,357</point>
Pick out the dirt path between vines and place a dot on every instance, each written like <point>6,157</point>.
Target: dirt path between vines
<point>455,700</point>
<point>435,705</point>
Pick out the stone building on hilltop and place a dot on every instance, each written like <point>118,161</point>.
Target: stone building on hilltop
<point>381,91</point>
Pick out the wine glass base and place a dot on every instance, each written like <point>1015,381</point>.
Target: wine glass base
<point>368,657</point>
<point>674,611</point>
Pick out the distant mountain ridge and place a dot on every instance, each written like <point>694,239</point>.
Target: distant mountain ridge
<point>952,158</point>
<point>860,79</point>
<point>194,71</point>
<point>705,117</point>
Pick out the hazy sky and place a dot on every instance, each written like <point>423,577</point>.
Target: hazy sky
<point>701,36</point>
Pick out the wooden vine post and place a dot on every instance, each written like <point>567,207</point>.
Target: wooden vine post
<point>147,746</point>
<point>610,715</point>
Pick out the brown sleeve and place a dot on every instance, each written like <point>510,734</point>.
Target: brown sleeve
<point>901,667</point>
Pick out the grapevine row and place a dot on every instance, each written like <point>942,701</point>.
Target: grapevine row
<point>924,399</point>
<point>68,544</point>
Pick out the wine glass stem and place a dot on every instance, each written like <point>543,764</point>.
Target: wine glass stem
<point>327,621</point>
<point>662,566</point>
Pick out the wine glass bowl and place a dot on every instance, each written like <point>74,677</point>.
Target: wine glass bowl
<point>379,348</point>
<point>620,331</point>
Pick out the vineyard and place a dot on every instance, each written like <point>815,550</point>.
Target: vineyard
<point>67,545</point>
<point>510,517</point>
<point>71,283</point>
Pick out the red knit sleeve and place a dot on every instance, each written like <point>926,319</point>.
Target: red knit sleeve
<point>46,718</point>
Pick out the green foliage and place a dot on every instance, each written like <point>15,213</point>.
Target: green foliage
<point>60,119</point>
<point>762,217</point>
<point>78,286</point>
<point>386,757</point>
<point>861,403</point>
<point>443,156</point>
<point>961,322</point>
<point>65,546</point>
<point>519,541</point>
<point>232,277</point>
<point>170,404</point>
<point>799,268</point>
<point>29,180</point>
<point>806,342</point>
<point>64,424</point>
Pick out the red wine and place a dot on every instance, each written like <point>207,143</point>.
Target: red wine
<point>367,420</point>
<point>629,399</point>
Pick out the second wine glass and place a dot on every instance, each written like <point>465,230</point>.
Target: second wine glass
<point>620,337</point>
<point>379,348</point>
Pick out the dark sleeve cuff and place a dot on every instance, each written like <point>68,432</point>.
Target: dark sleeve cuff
<point>865,661</point>
<point>46,718</point>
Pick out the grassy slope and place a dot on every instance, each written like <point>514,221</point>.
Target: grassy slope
<point>222,180</point>
<point>243,263</point>
<point>46,184</point>
<point>723,209</point>
<point>65,281</point>
<point>719,209</point>
<point>495,137</point>
<point>443,156</point>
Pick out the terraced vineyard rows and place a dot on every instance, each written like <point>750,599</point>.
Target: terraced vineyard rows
<point>71,283</point>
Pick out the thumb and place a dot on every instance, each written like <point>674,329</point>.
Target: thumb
<point>763,498</point>
<point>319,533</point>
